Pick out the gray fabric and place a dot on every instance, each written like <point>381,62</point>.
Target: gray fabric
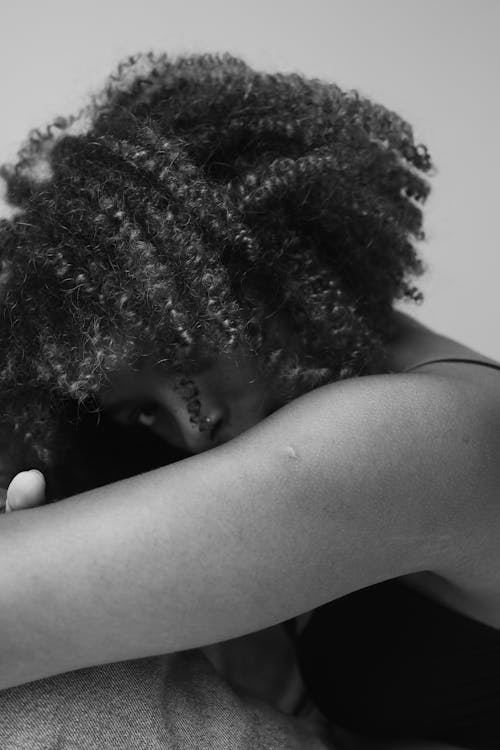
<point>175,702</point>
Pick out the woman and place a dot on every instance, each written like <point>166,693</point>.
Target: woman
<point>197,253</point>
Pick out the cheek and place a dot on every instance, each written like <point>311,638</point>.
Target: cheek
<point>167,427</point>
<point>251,406</point>
<point>233,380</point>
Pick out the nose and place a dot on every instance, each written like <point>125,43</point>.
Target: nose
<point>194,435</point>
<point>204,432</point>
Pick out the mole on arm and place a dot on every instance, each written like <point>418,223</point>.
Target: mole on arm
<point>291,453</point>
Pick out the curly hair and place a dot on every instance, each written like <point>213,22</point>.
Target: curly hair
<point>191,200</point>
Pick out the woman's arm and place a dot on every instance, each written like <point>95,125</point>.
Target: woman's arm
<point>349,485</point>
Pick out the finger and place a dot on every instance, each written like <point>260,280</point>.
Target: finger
<point>27,490</point>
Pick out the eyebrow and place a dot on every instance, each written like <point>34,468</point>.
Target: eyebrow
<point>118,407</point>
<point>123,406</point>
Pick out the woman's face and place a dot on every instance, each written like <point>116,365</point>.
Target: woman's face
<point>230,395</point>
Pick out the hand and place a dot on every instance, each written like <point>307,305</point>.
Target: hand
<point>27,490</point>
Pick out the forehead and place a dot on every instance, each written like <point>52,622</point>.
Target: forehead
<point>150,375</point>
<point>222,372</point>
<point>135,383</point>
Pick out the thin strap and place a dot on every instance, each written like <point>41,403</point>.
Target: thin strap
<point>454,359</point>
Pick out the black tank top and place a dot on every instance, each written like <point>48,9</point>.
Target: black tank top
<point>389,662</point>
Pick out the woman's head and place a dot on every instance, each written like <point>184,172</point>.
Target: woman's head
<point>192,204</point>
<point>195,412</point>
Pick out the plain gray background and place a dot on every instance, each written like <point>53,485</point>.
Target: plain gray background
<point>436,62</point>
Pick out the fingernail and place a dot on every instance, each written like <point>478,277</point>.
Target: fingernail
<point>36,471</point>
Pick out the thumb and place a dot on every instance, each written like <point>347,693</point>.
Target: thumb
<point>27,490</point>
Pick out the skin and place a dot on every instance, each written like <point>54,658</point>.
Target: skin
<point>233,393</point>
<point>432,528</point>
<point>27,490</point>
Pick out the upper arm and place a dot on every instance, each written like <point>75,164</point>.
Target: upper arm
<point>389,475</point>
<point>349,485</point>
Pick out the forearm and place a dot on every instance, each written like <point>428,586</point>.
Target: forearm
<point>112,574</point>
<point>199,552</point>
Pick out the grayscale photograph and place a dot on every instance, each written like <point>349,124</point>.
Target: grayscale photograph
<point>249,375</point>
